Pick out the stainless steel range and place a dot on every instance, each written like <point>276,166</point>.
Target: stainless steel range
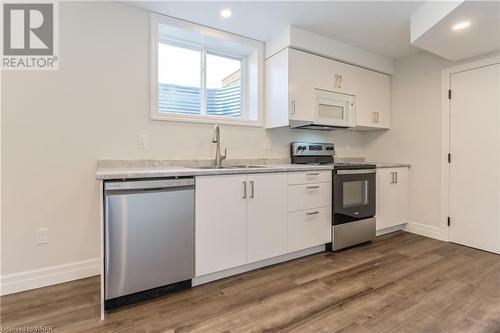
<point>353,193</point>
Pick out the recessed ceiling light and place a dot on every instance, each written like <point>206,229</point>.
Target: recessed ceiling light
<point>461,25</point>
<point>225,13</point>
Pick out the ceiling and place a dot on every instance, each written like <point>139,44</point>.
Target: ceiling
<point>382,27</point>
<point>481,37</point>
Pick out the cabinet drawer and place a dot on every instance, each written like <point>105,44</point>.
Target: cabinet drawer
<point>308,196</point>
<point>309,228</point>
<point>309,177</point>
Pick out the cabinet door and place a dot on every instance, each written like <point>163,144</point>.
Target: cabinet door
<point>309,228</point>
<point>301,66</point>
<point>392,197</point>
<point>373,105</point>
<point>220,223</point>
<point>266,216</point>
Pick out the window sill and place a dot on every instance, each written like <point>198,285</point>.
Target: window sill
<point>207,120</point>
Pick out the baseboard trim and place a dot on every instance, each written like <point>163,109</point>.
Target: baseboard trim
<point>255,265</point>
<point>423,230</point>
<point>14,283</point>
<point>391,229</point>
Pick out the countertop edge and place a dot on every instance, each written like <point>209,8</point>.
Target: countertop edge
<point>120,174</point>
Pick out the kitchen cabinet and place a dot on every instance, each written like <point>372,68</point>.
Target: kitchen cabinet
<point>392,197</point>
<point>266,216</point>
<point>309,209</point>
<point>239,219</point>
<point>220,236</point>
<point>291,77</point>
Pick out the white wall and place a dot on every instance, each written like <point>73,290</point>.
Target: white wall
<point>415,134</point>
<point>55,125</point>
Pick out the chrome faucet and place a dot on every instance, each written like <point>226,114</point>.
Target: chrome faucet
<point>216,139</point>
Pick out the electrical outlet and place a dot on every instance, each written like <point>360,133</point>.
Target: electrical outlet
<point>142,141</point>
<point>267,144</point>
<point>42,236</point>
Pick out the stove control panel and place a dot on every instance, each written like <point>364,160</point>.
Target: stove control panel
<point>312,149</point>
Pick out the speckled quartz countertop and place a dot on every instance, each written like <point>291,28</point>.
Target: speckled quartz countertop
<point>108,170</point>
<point>135,169</point>
<point>390,165</point>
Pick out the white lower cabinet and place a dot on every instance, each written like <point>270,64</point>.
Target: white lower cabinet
<point>392,197</point>
<point>239,219</point>
<point>266,216</point>
<point>220,236</point>
<point>309,228</point>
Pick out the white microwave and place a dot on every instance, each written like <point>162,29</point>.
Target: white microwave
<point>334,109</point>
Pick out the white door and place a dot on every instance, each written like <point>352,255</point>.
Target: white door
<point>220,237</point>
<point>475,151</point>
<point>392,197</point>
<point>266,216</point>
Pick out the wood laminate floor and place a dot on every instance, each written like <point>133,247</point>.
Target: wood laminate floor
<point>400,283</point>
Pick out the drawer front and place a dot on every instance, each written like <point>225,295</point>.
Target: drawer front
<point>308,196</point>
<point>309,177</point>
<point>309,228</point>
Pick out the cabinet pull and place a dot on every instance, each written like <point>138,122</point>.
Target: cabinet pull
<point>252,190</point>
<point>244,189</point>
<point>375,117</point>
<point>293,107</point>
<point>311,187</point>
<point>312,213</point>
<point>394,177</point>
<point>312,174</point>
<point>338,81</point>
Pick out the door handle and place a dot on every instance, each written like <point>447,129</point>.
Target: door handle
<point>396,177</point>
<point>311,187</point>
<point>312,213</point>
<point>293,107</point>
<point>252,194</point>
<point>312,174</point>
<point>244,189</point>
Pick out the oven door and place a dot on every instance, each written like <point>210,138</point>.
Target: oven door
<point>353,195</point>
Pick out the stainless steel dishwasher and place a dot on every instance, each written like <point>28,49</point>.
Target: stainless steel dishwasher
<point>149,238</point>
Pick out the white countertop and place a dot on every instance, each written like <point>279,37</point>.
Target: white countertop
<point>159,172</point>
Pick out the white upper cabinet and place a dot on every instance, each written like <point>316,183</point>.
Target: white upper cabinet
<point>292,78</point>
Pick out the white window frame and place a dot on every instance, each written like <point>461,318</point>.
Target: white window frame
<point>257,104</point>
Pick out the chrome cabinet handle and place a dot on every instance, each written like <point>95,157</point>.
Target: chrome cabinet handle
<point>311,187</point>
<point>375,117</point>
<point>244,189</point>
<point>312,174</point>
<point>293,107</point>
<point>252,194</point>
<point>338,81</point>
<point>394,177</point>
<point>312,213</point>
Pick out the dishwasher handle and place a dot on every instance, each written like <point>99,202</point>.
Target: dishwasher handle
<point>148,184</point>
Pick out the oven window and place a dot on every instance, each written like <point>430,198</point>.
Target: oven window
<point>355,193</point>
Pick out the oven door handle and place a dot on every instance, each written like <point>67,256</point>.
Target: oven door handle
<point>356,171</point>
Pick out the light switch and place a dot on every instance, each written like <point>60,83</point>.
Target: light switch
<point>142,141</point>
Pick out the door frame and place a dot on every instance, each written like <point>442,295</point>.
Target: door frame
<point>445,134</point>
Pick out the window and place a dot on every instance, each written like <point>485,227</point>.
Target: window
<point>204,75</point>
